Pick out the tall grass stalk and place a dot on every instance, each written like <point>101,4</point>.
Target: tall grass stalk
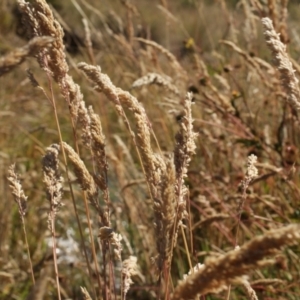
<point>21,200</point>
<point>53,182</point>
<point>251,174</point>
<point>42,22</point>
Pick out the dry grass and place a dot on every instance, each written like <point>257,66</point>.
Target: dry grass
<point>173,151</point>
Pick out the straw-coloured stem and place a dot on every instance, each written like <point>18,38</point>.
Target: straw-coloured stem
<point>171,57</point>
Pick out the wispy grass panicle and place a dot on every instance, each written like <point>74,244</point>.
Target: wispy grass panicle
<point>252,171</point>
<point>251,174</point>
<point>102,81</point>
<point>53,182</point>
<point>85,124</point>
<point>39,20</point>
<point>17,190</point>
<point>83,175</point>
<point>21,200</point>
<point>18,56</point>
<point>154,165</point>
<point>98,150</point>
<point>184,149</point>
<point>86,182</point>
<point>218,273</point>
<point>94,139</point>
<point>142,138</point>
<point>162,178</point>
<point>155,78</point>
<point>165,214</point>
<point>108,234</point>
<point>129,269</point>
<point>283,64</point>
<point>52,177</point>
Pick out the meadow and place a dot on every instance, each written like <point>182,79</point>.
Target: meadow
<point>149,149</point>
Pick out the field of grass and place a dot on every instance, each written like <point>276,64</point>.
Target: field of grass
<point>149,149</point>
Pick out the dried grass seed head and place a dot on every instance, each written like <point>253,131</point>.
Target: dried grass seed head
<point>107,234</point>
<point>218,273</point>
<point>17,190</point>
<point>42,23</point>
<point>72,93</point>
<point>184,148</point>
<point>165,214</point>
<point>86,295</point>
<point>47,25</point>
<point>252,171</point>
<point>154,78</point>
<point>196,268</point>
<point>17,56</point>
<point>142,137</point>
<point>283,63</point>
<point>39,18</point>
<point>129,269</point>
<point>98,138</point>
<point>251,294</point>
<point>86,182</point>
<point>85,123</point>
<point>83,175</point>
<point>52,178</point>
<point>185,138</point>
